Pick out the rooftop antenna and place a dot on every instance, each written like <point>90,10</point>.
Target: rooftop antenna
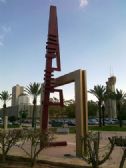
<point>111,71</point>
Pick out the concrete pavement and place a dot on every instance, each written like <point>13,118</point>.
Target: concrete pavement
<point>66,155</point>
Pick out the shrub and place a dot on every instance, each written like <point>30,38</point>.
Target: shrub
<point>37,141</point>
<point>94,155</point>
<point>9,138</point>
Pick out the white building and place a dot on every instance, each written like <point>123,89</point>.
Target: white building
<point>23,99</point>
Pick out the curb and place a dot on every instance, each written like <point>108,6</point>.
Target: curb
<point>51,161</point>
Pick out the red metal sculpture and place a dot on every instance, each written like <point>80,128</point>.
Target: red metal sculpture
<point>52,54</point>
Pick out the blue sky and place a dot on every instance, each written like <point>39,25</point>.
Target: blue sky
<point>92,36</point>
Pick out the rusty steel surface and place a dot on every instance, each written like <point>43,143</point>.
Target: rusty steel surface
<point>52,54</point>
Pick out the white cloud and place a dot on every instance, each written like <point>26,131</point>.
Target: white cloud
<point>1,44</point>
<point>1,36</point>
<point>4,30</point>
<point>3,1</point>
<point>1,40</point>
<point>83,3</point>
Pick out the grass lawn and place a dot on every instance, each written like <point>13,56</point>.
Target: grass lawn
<point>10,126</point>
<point>107,128</point>
<point>97,128</point>
<point>93,128</point>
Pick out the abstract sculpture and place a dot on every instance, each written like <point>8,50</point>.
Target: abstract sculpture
<point>50,84</point>
<point>52,54</point>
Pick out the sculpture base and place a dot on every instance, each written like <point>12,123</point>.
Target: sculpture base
<point>61,143</point>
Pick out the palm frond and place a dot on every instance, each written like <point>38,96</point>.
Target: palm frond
<point>98,91</point>
<point>33,89</point>
<point>5,96</point>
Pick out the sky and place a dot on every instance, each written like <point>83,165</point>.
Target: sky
<point>92,36</point>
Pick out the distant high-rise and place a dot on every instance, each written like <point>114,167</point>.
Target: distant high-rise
<point>16,91</point>
<point>110,104</point>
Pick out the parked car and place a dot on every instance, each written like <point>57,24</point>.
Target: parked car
<point>1,122</point>
<point>115,121</point>
<point>124,122</point>
<point>10,123</point>
<point>93,121</point>
<point>27,121</point>
<point>16,122</point>
<point>56,123</point>
<point>71,123</point>
<point>109,121</point>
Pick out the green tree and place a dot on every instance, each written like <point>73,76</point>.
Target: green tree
<point>99,91</point>
<point>70,108</point>
<point>123,111</point>
<point>120,97</point>
<point>12,118</point>
<point>23,115</point>
<point>54,111</point>
<point>92,108</point>
<point>5,96</point>
<point>33,89</point>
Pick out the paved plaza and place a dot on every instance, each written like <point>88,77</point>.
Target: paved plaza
<point>67,154</point>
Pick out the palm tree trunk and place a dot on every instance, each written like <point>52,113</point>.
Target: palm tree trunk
<point>103,115</point>
<point>100,122</point>
<point>5,122</point>
<point>120,121</point>
<point>5,117</point>
<point>33,117</point>
<point>33,114</point>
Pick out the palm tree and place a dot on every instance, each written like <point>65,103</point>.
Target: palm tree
<point>119,96</point>
<point>34,89</point>
<point>5,96</point>
<point>99,91</point>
